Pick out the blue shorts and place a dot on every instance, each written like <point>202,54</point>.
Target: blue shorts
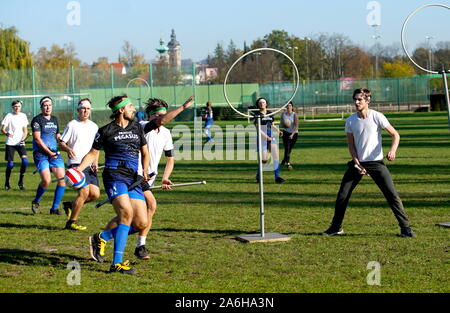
<point>116,185</point>
<point>43,161</point>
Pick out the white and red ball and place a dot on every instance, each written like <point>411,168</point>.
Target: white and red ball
<point>74,178</point>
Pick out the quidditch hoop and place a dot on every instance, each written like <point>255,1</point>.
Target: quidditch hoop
<point>296,80</point>
<point>404,27</point>
<point>147,86</point>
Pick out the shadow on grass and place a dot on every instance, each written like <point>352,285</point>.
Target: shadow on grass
<point>11,225</point>
<point>25,257</point>
<point>225,232</point>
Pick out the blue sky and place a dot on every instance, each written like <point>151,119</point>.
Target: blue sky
<point>201,24</point>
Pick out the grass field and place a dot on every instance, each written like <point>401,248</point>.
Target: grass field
<point>193,242</point>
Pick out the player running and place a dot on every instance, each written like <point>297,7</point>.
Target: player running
<point>76,140</point>
<point>122,140</point>
<point>159,140</point>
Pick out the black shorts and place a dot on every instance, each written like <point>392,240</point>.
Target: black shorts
<point>145,185</point>
<point>89,174</point>
<point>9,152</point>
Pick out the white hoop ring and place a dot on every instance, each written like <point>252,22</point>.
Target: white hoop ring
<point>404,27</point>
<point>296,81</point>
<point>137,78</point>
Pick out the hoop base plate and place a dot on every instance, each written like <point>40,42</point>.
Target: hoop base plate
<point>446,224</point>
<point>268,237</point>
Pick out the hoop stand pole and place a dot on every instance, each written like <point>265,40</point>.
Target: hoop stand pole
<point>447,100</point>
<point>260,175</point>
<point>263,236</point>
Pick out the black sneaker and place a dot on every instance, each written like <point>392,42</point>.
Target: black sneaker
<point>333,232</point>
<point>35,207</point>
<point>7,187</point>
<point>67,207</point>
<point>406,232</point>
<point>142,253</point>
<point>56,212</point>
<point>279,180</point>
<point>21,186</point>
<point>97,247</point>
<point>123,268</point>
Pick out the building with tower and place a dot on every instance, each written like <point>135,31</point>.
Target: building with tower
<point>174,51</point>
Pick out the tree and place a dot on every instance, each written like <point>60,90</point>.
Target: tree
<point>14,52</point>
<point>15,59</point>
<point>398,68</point>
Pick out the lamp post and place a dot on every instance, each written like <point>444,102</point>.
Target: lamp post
<point>376,37</point>
<point>430,55</point>
<point>293,56</point>
<point>307,57</point>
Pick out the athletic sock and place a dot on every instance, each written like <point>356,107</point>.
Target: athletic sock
<point>141,241</point>
<point>120,241</point>
<point>109,234</point>
<point>132,231</point>
<point>59,193</point>
<point>23,168</point>
<point>9,167</point>
<point>39,193</point>
<point>276,168</point>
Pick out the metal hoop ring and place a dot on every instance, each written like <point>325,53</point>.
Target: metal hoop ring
<point>137,78</point>
<point>404,27</point>
<point>296,80</point>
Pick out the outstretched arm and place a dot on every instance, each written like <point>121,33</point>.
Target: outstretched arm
<point>166,118</point>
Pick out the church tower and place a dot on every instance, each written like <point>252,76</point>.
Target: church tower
<point>174,51</point>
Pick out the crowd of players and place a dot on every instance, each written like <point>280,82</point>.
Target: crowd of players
<point>133,148</point>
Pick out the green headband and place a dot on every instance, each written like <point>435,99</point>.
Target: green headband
<point>121,104</point>
<point>157,110</point>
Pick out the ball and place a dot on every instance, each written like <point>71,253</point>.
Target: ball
<point>287,122</point>
<point>74,178</point>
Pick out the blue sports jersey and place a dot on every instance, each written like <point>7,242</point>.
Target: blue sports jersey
<point>48,129</point>
<point>266,124</point>
<point>121,145</point>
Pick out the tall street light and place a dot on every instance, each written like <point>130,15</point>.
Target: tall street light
<point>376,37</point>
<point>293,57</point>
<point>430,55</point>
<point>307,57</point>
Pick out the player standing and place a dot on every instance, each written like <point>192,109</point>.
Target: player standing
<point>364,142</point>
<point>46,156</point>
<point>14,126</point>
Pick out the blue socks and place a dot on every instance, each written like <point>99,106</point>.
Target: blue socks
<point>120,241</point>
<point>109,234</point>
<point>276,168</point>
<point>59,193</point>
<point>39,193</point>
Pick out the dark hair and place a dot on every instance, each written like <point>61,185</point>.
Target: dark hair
<point>364,91</point>
<point>43,99</point>
<point>155,103</point>
<point>84,99</point>
<point>113,102</point>
<point>257,102</point>
<point>208,103</point>
<point>16,102</point>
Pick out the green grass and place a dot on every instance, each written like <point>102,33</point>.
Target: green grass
<point>193,242</point>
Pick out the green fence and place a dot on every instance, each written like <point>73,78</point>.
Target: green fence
<point>175,85</point>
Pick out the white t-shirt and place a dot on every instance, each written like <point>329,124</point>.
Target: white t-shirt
<point>79,136</point>
<point>367,135</point>
<point>158,140</point>
<point>14,125</point>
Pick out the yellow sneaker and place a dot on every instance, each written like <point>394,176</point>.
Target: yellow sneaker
<point>97,247</point>
<point>123,268</point>
<point>74,226</point>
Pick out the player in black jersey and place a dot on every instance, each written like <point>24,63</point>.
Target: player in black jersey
<point>122,140</point>
<point>268,139</point>
<point>46,156</point>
